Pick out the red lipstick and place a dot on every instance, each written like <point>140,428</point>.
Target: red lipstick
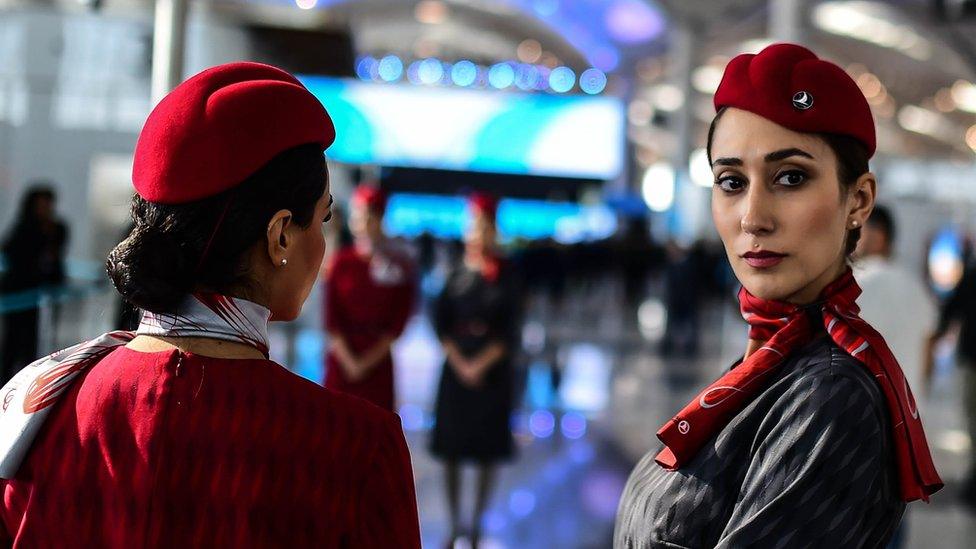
<point>763,259</point>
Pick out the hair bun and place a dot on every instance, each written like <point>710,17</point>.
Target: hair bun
<point>151,269</point>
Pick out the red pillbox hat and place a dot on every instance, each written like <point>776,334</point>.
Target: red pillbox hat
<point>484,204</point>
<point>219,127</point>
<point>791,86</point>
<point>370,196</point>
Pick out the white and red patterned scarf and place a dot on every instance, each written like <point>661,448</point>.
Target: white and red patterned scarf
<point>784,327</point>
<point>30,395</point>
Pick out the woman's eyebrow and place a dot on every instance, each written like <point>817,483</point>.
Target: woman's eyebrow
<point>786,153</point>
<point>727,162</point>
<point>774,156</point>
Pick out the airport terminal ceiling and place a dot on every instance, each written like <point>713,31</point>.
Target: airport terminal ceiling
<point>921,57</point>
<point>917,57</point>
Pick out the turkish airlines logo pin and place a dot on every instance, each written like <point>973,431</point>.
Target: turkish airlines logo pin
<point>802,100</point>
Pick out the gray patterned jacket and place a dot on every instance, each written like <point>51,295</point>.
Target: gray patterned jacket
<point>809,463</point>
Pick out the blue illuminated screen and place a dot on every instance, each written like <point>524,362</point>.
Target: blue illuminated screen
<point>410,215</point>
<point>473,130</point>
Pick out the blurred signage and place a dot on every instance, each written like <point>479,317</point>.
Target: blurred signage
<point>473,130</point>
<point>443,216</point>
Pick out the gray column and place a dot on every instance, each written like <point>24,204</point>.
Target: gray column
<point>690,202</point>
<point>169,41</point>
<point>787,20</point>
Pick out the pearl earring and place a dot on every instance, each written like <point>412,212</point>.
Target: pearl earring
<point>284,262</point>
<point>854,224</point>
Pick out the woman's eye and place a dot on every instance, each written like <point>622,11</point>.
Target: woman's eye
<point>791,178</point>
<point>730,184</point>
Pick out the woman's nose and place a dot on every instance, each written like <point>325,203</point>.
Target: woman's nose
<point>758,215</point>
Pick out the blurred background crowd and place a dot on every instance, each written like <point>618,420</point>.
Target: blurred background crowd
<point>585,120</point>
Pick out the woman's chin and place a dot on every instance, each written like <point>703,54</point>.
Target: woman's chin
<point>767,286</point>
<point>285,314</point>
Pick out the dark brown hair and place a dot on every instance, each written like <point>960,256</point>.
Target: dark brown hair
<point>162,259</point>
<point>852,163</point>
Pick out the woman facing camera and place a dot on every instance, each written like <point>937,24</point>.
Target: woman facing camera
<point>369,296</point>
<point>478,318</point>
<point>813,438</point>
<point>184,433</point>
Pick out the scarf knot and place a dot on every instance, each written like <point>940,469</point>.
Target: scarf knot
<point>783,328</point>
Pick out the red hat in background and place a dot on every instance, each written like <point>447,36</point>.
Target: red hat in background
<point>484,203</point>
<point>791,86</point>
<point>371,197</point>
<point>217,128</point>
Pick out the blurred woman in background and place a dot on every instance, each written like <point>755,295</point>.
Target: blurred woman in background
<point>370,292</point>
<point>478,321</point>
<point>813,438</point>
<point>34,254</point>
<point>183,433</point>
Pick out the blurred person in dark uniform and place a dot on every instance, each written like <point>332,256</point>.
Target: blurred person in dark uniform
<point>960,310</point>
<point>478,321</point>
<point>370,292</point>
<point>34,250</point>
<point>683,289</point>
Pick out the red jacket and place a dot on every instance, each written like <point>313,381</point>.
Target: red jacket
<point>363,306</point>
<point>173,449</point>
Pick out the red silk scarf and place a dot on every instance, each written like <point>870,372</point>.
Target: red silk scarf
<point>785,327</point>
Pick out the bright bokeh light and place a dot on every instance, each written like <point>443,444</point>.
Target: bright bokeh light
<point>633,21</point>
<point>707,78</point>
<point>657,187</point>
<point>668,97</point>
<point>501,76</point>
<point>526,77</point>
<point>306,4</point>
<point>652,319</point>
<point>430,71</point>
<point>431,12</point>
<point>562,79</point>
<point>464,73</point>
<point>366,68</point>
<point>593,81</point>
<point>573,425</point>
<point>919,120</point>
<point>945,261</point>
<point>963,94</point>
<point>699,170</point>
<point>871,22</point>
<point>542,424</point>
<point>390,68</point>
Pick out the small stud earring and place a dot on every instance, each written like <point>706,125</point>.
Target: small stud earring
<point>854,224</point>
<point>284,262</point>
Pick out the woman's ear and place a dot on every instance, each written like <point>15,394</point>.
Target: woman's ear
<point>861,199</point>
<point>279,237</point>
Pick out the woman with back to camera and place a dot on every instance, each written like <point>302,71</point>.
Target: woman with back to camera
<point>813,439</point>
<point>184,433</point>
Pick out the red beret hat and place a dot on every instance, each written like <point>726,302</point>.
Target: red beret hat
<point>484,204</point>
<point>219,127</point>
<point>791,86</point>
<point>371,197</point>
